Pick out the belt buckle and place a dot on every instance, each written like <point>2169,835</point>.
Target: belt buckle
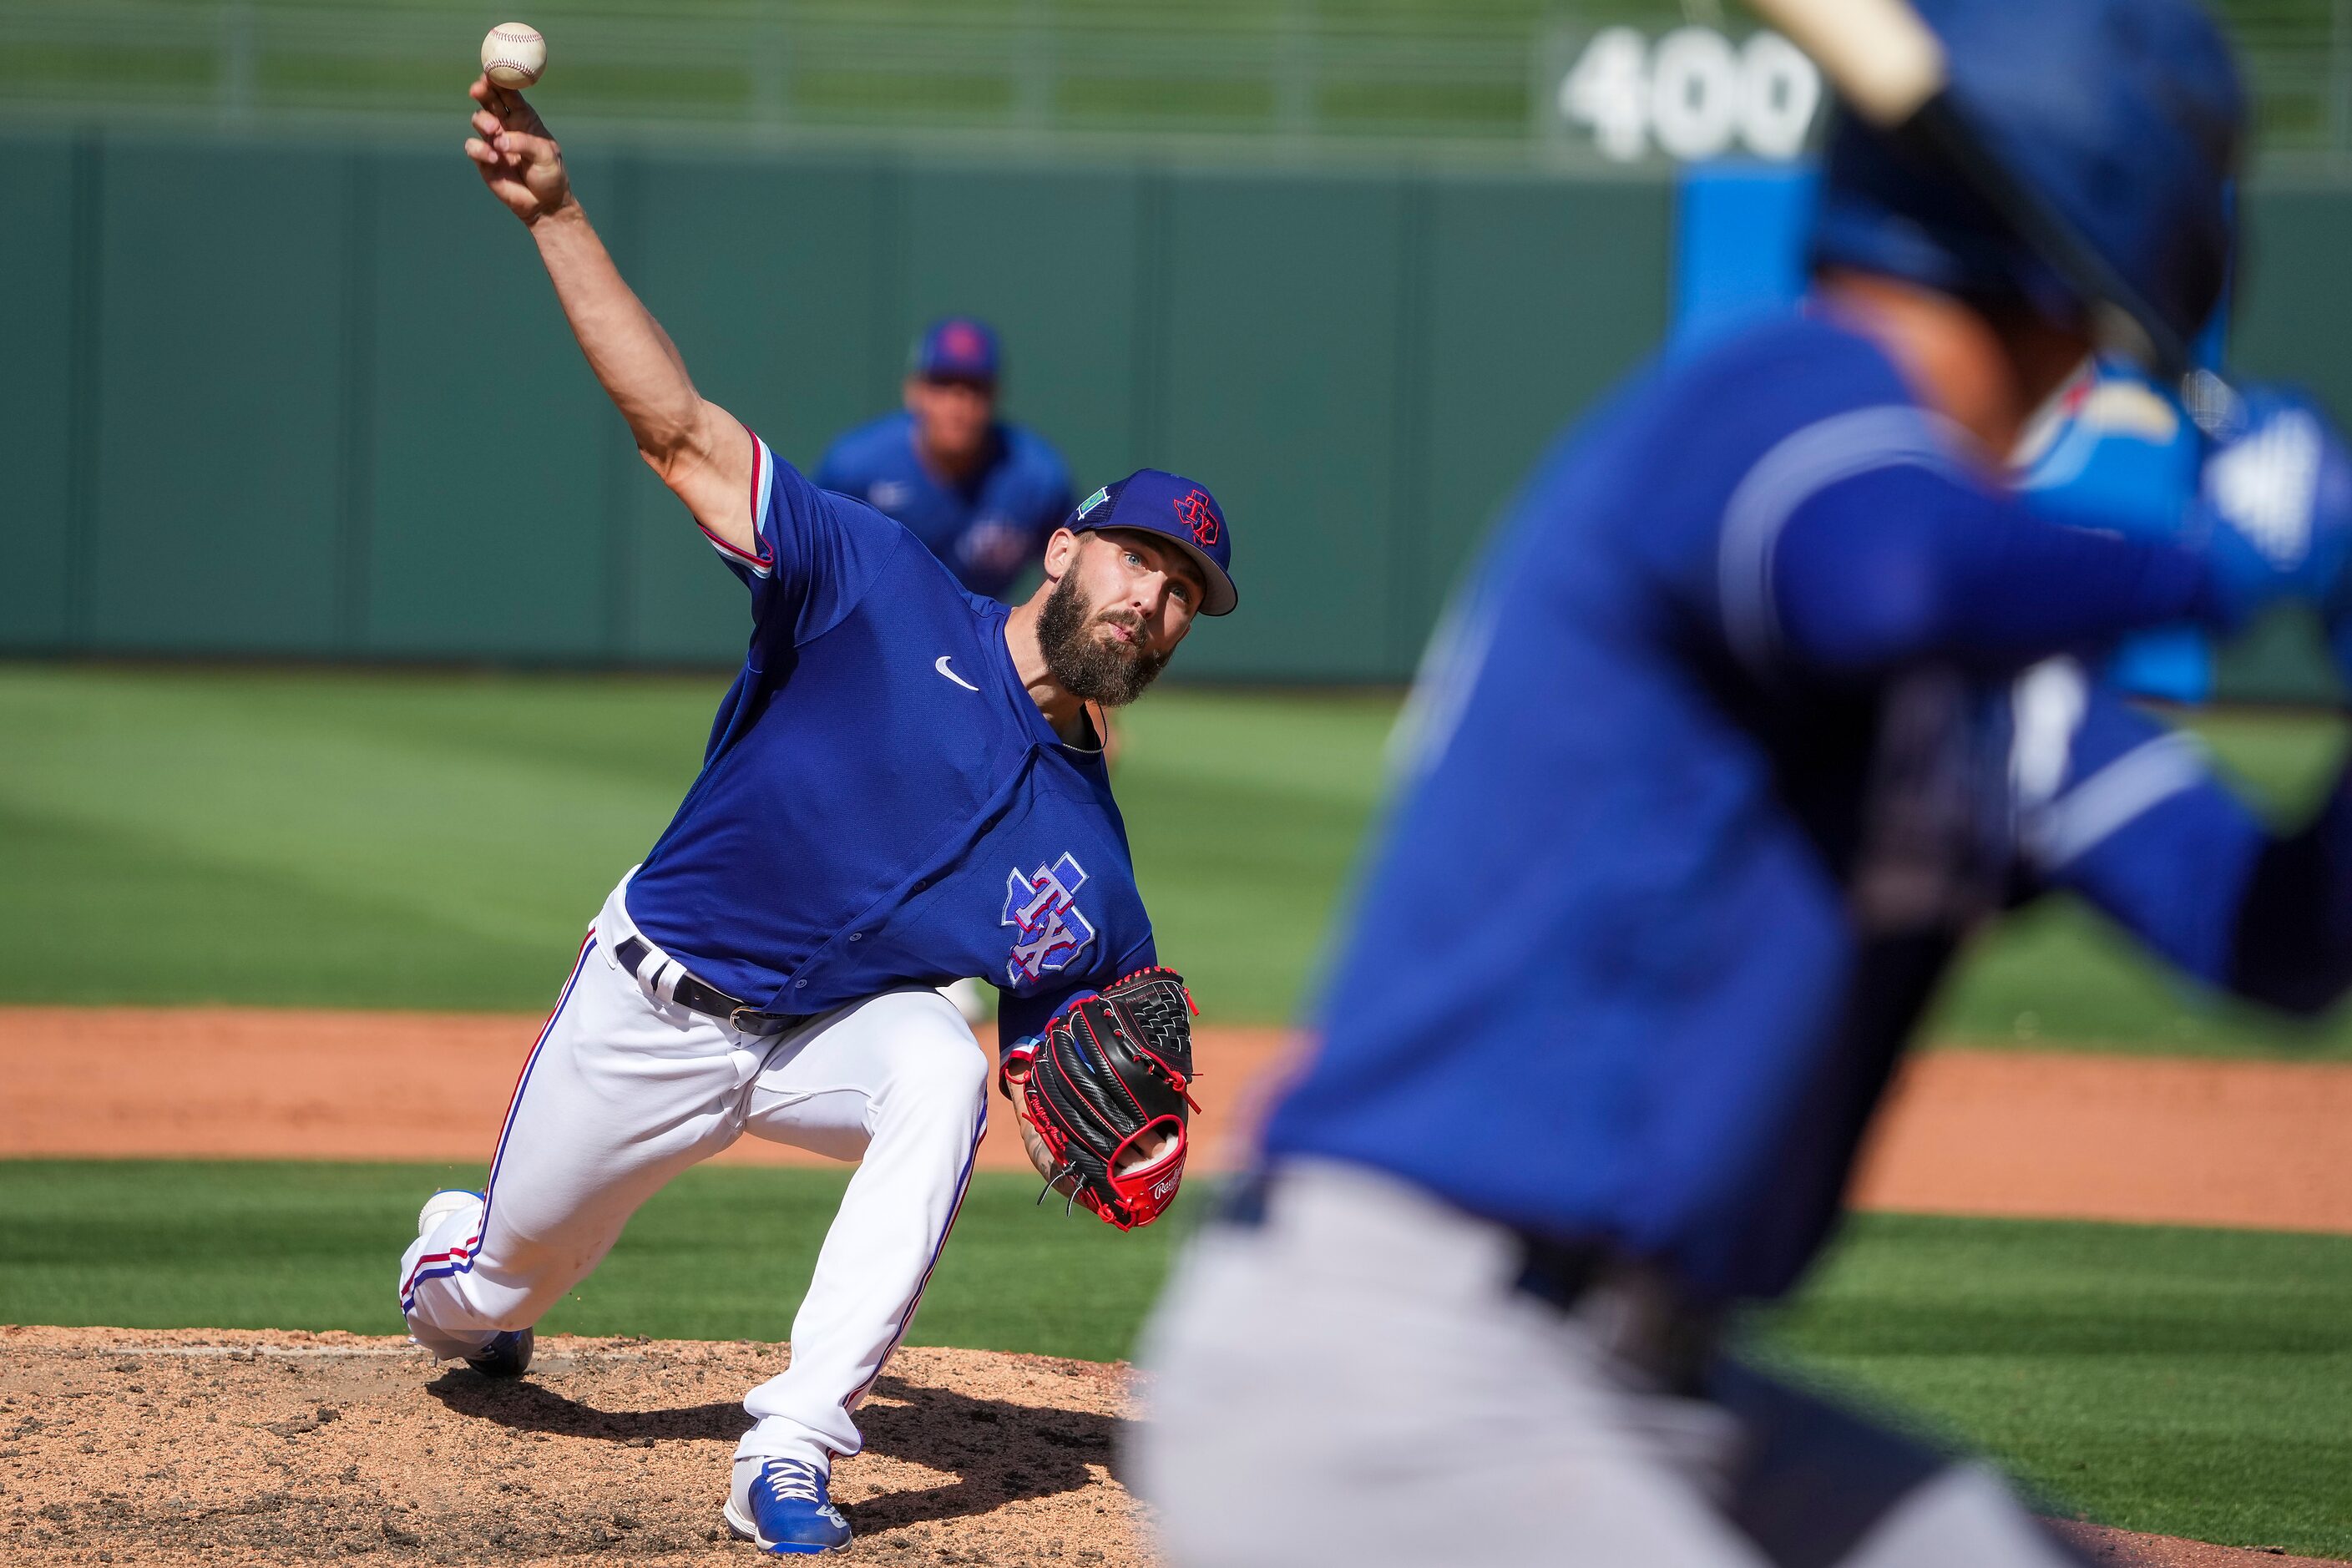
<point>736,1019</point>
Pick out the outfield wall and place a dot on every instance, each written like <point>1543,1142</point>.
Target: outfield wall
<point>278,398</point>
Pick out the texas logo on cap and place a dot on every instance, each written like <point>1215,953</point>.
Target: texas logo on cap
<point>1179,509</point>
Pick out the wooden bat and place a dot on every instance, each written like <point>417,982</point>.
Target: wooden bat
<point>1890,69</point>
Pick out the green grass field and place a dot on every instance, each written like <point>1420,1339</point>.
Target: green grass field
<point>436,841</point>
<point>432,841</point>
<point>2187,1381</point>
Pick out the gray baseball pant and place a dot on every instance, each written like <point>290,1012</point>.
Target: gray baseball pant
<point>1357,1378</point>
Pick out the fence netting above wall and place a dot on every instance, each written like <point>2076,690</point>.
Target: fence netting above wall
<point>1493,81</point>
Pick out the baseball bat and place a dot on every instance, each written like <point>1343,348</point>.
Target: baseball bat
<point>1890,69</point>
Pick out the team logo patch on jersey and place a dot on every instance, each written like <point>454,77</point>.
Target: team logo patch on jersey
<point>1199,516</point>
<point>1042,909</point>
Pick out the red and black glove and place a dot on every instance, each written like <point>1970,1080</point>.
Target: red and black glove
<point>1107,1096</point>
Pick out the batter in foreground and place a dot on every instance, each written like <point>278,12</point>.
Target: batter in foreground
<point>1760,702</point>
<point>901,787</point>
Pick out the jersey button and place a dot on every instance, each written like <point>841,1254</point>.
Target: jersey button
<point>854,935</point>
<point>798,984</point>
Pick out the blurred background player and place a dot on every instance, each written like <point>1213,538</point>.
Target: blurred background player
<point>981,494</point>
<point>1762,701</point>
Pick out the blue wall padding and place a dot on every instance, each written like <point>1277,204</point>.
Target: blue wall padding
<point>1739,245</point>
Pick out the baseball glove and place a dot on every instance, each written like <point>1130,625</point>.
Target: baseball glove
<point>1105,1099</point>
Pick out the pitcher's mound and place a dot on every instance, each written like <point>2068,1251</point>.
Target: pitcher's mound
<point>135,1446</point>
<point>219,1446</point>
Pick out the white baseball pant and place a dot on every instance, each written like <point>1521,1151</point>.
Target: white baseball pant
<point>625,1089</point>
<point>1358,1379</point>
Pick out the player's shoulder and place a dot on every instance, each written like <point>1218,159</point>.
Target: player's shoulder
<point>1786,368</point>
<point>865,450</point>
<point>1031,456</point>
<point>1700,419</point>
<point>1650,474</point>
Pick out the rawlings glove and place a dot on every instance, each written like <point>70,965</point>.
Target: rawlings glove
<point>2276,497</point>
<point>1104,1095</point>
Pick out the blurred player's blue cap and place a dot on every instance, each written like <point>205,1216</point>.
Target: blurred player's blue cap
<point>957,348</point>
<point>1172,506</point>
<point>2125,116</point>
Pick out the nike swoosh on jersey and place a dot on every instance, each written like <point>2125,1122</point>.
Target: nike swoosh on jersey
<point>941,666</point>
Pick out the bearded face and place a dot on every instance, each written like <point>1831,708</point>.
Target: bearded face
<point>1084,651</point>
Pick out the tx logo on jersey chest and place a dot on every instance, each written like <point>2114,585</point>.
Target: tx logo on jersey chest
<point>1048,931</point>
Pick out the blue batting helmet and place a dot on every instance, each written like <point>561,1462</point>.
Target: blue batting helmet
<point>2126,118</point>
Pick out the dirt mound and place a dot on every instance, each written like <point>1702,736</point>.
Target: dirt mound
<point>121,1446</point>
<point>2124,1547</point>
<point>229,1447</point>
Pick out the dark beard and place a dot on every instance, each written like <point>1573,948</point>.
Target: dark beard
<point>1090,667</point>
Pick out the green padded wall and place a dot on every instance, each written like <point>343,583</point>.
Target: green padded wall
<point>40,385</point>
<point>489,533</point>
<point>765,276</point>
<point>1280,391</point>
<point>320,401</point>
<point>1536,306</point>
<point>215,481</point>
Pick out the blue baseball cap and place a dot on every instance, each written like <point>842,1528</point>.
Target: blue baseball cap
<point>1180,511</point>
<point>957,348</point>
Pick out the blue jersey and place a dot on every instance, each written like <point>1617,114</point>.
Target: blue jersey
<point>1682,851</point>
<point>989,529</point>
<point>881,802</point>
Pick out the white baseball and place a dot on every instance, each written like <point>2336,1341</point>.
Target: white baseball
<point>513,55</point>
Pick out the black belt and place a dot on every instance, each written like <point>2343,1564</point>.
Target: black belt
<point>1636,1313</point>
<point>708,999</point>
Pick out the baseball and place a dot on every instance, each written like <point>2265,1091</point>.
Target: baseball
<point>513,55</point>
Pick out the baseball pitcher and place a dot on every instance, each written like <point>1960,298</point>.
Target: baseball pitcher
<point>901,788</point>
<point>1764,698</point>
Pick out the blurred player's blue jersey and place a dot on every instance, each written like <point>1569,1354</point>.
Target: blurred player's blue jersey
<point>2116,454</point>
<point>989,529</point>
<point>881,803</point>
<point>1667,884</point>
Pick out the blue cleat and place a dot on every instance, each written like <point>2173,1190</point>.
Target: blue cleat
<point>508,1355</point>
<point>784,1510</point>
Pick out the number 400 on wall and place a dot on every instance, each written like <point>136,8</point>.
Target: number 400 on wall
<point>1694,92</point>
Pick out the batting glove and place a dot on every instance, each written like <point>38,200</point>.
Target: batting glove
<point>2276,496</point>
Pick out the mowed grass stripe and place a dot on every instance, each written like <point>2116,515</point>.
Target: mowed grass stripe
<point>467,828</point>
<point>722,1253</point>
<point>433,841</point>
<point>2180,1381</point>
<point>2184,1382</point>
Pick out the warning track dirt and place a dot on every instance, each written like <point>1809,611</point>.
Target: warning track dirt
<point>1990,1132</point>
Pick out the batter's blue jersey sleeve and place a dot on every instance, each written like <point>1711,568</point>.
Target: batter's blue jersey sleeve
<point>1866,539</point>
<point>818,552</point>
<point>2136,823</point>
